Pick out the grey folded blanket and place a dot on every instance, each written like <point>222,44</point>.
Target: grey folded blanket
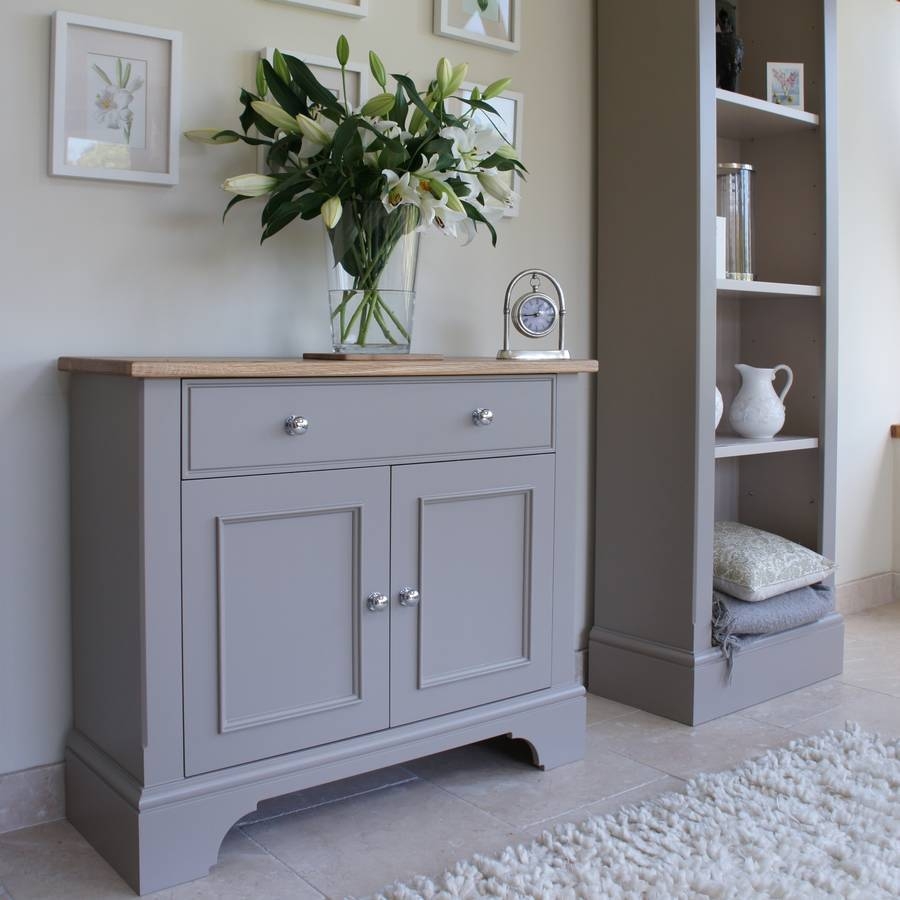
<point>737,622</point>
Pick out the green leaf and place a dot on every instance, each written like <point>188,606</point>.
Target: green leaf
<point>343,139</point>
<point>285,216</point>
<point>400,112</point>
<point>283,95</point>
<point>102,74</point>
<point>253,142</point>
<point>480,104</point>
<point>310,86</point>
<point>476,216</point>
<point>414,97</point>
<point>234,200</point>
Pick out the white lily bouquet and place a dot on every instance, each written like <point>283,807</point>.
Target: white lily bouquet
<point>400,164</point>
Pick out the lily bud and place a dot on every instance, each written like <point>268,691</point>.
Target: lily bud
<point>210,136</point>
<point>476,94</point>
<point>377,67</point>
<point>343,50</point>
<point>276,116</point>
<point>379,105</point>
<point>444,75</point>
<point>416,122</point>
<point>495,187</point>
<point>312,130</point>
<point>281,67</point>
<point>457,78</point>
<point>331,211</point>
<point>507,151</point>
<point>261,87</point>
<point>441,189</point>
<point>495,88</point>
<point>252,185</point>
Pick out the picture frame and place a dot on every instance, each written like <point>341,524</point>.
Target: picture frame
<point>328,70</point>
<point>496,23</point>
<point>511,106</point>
<point>784,84</point>
<point>114,101</point>
<point>358,9</point>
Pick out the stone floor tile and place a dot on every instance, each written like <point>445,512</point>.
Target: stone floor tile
<point>54,862</point>
<point>791,708</point>
<point>355,846</point>
<point>684,751</point>
<point>327,793</point>
<point>610,805</point>
<point>31,797</point>
<point>498,777</point>
<point>599,709</point>
<point>875,712</point>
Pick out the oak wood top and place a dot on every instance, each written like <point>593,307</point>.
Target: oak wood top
<point>239,367</point>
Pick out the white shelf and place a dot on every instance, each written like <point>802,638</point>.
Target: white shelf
<point>743,118</point>
<point>731,287</point>
<point>727,447</point>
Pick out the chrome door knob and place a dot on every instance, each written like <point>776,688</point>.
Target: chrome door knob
<point>377,602</point>
<point>295,425</point>
<point>409,597</point>
<point>483,416</point>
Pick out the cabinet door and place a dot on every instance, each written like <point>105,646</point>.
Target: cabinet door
<point>476,540</point>
<point>280,649</point>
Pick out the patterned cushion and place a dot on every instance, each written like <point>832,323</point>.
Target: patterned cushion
<point>752,565</point>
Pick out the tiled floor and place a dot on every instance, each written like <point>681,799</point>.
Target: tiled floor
<point>352,837</point>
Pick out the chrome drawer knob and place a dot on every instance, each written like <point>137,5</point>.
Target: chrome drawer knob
<point>409,597</point>
<point>295,425</point>
<point>483,416</point>
<point>377,602</point>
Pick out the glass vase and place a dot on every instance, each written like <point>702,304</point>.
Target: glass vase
<point>373,256</point>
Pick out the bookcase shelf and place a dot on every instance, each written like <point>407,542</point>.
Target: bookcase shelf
<point>729,446</point>
<point>743,118</point>
<point>731,287</point>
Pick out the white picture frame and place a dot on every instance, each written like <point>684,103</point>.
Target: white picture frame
<point>511,106</point>
<point>784,84</point>
<point>326,69</point>
<point>114,102</point>
<point>358,9</point>
<point>498,24</point>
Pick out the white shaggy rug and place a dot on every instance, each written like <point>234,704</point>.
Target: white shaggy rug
<point>819,818</point>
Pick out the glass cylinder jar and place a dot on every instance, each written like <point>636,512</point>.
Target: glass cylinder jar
<point>372,278</point>
<point>734,202</point>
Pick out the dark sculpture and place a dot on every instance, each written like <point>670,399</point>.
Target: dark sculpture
<point>729,53</point>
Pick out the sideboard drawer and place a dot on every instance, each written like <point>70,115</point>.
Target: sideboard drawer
<point>233,427</point>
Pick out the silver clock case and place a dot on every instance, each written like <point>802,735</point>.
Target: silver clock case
<point>509,315</point>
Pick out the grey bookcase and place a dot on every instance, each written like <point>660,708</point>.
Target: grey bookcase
<point>670,331</point>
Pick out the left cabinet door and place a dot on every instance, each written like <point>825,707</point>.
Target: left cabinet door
<point>281,651</point>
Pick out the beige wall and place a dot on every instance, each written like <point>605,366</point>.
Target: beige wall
<point>868,538</point>
<point>104,268</point>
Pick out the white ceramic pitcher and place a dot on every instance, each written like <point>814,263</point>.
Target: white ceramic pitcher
<point>757,411</point>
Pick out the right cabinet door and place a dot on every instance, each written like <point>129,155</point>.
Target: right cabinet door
<point>475,539</point>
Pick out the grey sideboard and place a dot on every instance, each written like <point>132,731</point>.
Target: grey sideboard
<point>289,572</point>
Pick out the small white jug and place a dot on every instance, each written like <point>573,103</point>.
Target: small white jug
<point>757,411</point>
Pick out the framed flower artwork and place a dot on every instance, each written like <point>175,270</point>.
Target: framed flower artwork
<point>114,100</point>
<point>784,84</point>
<point>510,106</point>
<point>496,23</point>
<point>357,8</point>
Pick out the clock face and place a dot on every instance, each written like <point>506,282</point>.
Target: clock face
<point>535,315</point>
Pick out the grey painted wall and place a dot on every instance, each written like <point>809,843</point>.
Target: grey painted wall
<point>103,268</point>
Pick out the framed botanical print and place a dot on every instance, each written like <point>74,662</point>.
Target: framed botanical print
<point>496,23</point>
<point>356,8</point>
<point>510,106</point>
<point>114,100</point>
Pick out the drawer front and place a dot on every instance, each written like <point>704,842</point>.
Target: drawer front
<point>232,427</point>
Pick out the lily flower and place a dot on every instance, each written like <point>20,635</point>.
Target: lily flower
<point>398,190</point>
<point>276,116</point>
<point>250,185</point>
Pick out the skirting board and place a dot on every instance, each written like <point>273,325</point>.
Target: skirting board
<point>31,797</point>
<point>867,593</point>
<point>695,688</point>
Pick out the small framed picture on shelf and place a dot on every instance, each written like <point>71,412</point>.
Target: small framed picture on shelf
<point>784,84</point>
<point>114,100</point>
<point>496,23</point>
